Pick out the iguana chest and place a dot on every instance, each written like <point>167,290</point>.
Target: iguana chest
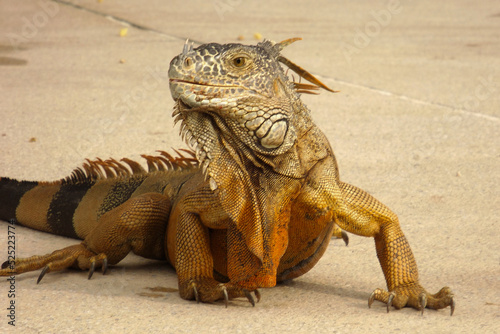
<point>294,229</point>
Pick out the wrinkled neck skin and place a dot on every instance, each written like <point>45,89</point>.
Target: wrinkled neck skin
<point>254,188</point>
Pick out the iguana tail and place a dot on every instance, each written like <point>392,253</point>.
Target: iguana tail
<point>11,192</point>
<point>44,206</point>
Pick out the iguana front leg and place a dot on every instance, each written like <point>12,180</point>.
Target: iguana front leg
<point>138,225</point>
<point>362,214</point>
<point>193,259</point>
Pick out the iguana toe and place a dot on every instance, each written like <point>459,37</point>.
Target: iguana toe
<point>78,256</point>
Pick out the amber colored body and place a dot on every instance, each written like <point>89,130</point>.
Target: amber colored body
<point>258,205</point>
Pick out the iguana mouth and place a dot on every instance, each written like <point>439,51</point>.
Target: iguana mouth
<point>199,94</point>
<point>195,83</point>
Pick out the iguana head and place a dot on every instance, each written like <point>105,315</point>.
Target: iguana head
<point>243,90</point>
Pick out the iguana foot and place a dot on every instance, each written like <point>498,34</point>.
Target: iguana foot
<point>415,296</point>
<point>209,290</point>
<point>77,256</point>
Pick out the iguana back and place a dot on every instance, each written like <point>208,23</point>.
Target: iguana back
<point>72,206</point>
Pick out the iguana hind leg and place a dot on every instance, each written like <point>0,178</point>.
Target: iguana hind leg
<point>138,225</point>
<point>366,216</point>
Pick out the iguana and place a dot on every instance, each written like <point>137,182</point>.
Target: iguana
<point>255,203</point>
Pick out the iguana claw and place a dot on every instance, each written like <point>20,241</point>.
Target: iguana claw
<point>257,294</point>
<point>104,265</point>
<point>423,302</point>
<point>226,297</point>
<point>195,292</point>
<point>339,233</point>
<point>389,302</point>
<point>249,297</point>
<point>91,269</point>
<point>372,297</point>
<point>345,237</point>
<point>45,270</point>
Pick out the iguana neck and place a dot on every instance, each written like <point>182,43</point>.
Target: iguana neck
<point>295,162</point>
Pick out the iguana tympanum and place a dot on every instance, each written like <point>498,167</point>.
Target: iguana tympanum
<point>256,203</point>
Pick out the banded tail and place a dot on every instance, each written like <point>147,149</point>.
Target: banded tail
<point>11,192</point>
<point>43,206</point>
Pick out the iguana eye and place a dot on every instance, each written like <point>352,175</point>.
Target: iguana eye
<point>188,62</point>
<point>239,61</point>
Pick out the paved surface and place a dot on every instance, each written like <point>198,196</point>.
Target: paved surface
<point>417,124</point>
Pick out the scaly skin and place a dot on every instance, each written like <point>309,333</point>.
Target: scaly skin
<point>259,207</point>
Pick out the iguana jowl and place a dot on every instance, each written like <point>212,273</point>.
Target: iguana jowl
<point>258,205</point>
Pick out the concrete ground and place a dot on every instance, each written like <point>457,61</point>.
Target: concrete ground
<point>416,124</point>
